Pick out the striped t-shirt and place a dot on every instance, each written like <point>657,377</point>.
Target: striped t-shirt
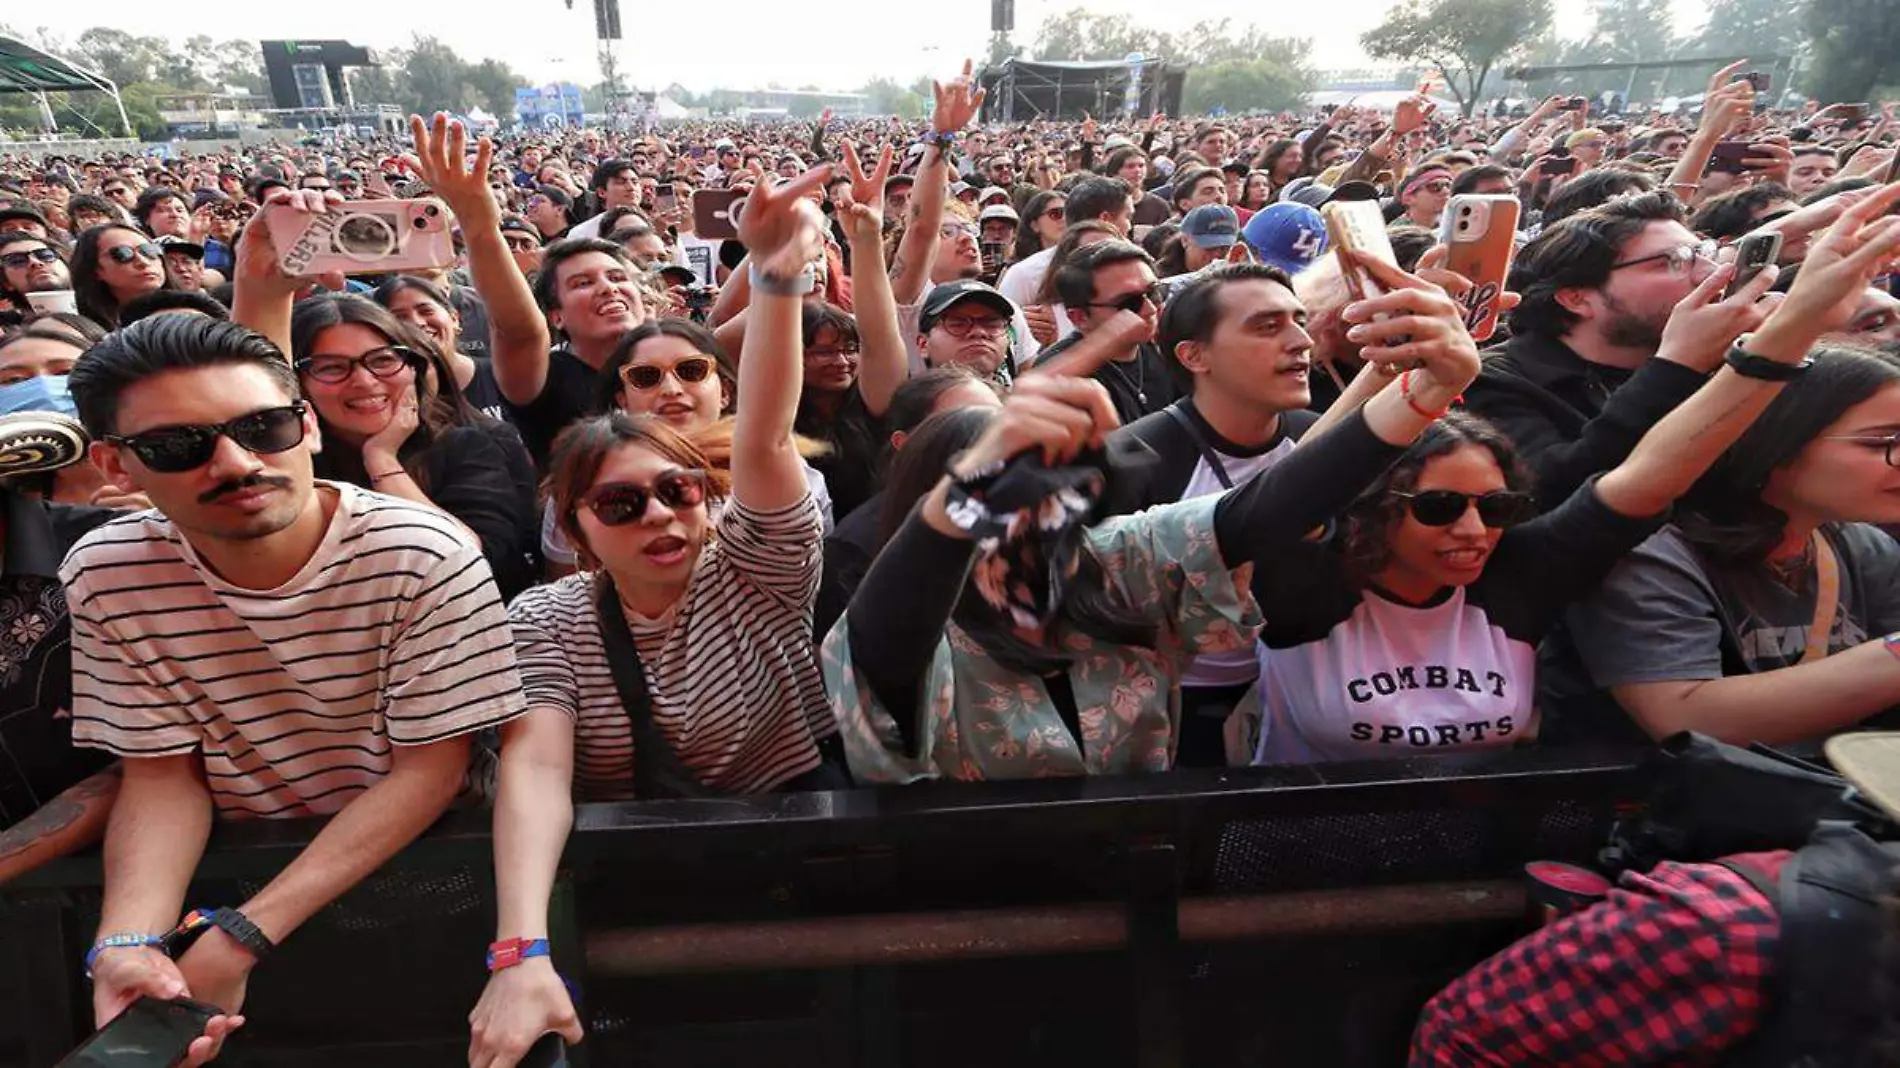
<point>732,674</point>
<point>392,634</point>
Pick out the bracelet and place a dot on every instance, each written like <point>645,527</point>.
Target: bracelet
<point>1892,642</point>
<point>1405,391</point>
<point>512,951</point>
<point>943,139</point>
<point>119,941</point>
<point>373,479</point>
<point>796,285</point>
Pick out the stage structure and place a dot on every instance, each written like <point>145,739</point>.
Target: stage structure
<point>1019,90</point>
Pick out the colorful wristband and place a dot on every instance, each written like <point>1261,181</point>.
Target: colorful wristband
<point>119,941</point>
<point>512,951</point>
<point>1892,642</point>
<point>229,920</point>
<point>943,139</point>
<point>1405,391</point>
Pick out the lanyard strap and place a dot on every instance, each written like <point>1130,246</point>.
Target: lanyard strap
<point>1827,596</point>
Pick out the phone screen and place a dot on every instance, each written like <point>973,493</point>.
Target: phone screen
<point>149,1034</point>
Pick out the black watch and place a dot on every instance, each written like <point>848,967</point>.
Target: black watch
<point>229,920</point>
<point>1749,365</point>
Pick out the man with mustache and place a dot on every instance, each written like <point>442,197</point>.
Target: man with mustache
<point>262,645</point>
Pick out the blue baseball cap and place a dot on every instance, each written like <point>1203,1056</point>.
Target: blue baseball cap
<point>1212,226</point>
<point>1286,235</point>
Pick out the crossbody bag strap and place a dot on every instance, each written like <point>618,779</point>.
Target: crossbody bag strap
<point>1827,597</point>
<point>1200,443</point>
<point>657,769</point>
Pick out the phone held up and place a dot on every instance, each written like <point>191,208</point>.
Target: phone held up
<point>148,1034</point>
<point>362,237</point>
<point>1358,225</point>
<point>1479,233</point>
<point>1754,253</point>
<point>716,213</point>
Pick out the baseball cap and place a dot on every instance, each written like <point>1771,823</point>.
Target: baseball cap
<point>992,192</point>
<point>169,243</point>
<point>946,296</point>
<point>520,225</point>
<point>723,144</point>
<point>1286,235</point>
<point>1316,194</point>
<point>1211,226</point>
<point>998,211</point>
<point>21,209</point>
<point>957,189</point>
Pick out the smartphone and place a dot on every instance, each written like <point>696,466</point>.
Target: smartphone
<point>993,252</point>
<point>716,213</point>
<point>363,237</point>
<point>1754,253</point>
<point>1359,225</point>
<point>1728,156</point>
<point>1478,232</point>
<point>549,1052</point>
<point>1576,103</point>
<point>148,1034</point>
<point>1757,80</point>
<point>664,199</point>
<point>1558,161</point>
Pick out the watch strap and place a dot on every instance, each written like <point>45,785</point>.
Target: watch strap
<point>512,951</point>
<point>229,920</point>
<point>1749,365</point>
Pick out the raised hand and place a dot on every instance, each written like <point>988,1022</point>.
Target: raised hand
<point>1414,323</point>
<point>956,104</point>
<point>441,159</point>
<point>781,227</point>
<point>257,268</point>
<point>1411,114</point>
<point>863,215</point>
<point>1704,324</point>
<point>1862,245</point>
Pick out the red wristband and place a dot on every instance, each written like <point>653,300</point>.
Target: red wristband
<point>1405,392</point>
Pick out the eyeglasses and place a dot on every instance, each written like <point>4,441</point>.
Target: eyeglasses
<point>1497,509</point>
<point>952,231</point>
<point>1133,301</point>
<point>616,504</point>
<point>1680,259</point>
<point>385,362</point>
<point>123,254</point>
<point>13,261</point>
<point>171,449</point>
<point>1054,211</point>
<point>1437,185</point>
<point>645,376</point>
<point>1885,441</point>
<point>829,352</point>
<point>520,244</point>
<point>984,326</point>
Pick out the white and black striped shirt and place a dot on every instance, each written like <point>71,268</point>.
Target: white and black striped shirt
<point>392,634</point>
<point>732,674</point>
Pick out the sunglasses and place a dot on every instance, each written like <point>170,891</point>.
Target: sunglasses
<point>383,363</point>
<point>123,254</point>
<point>645,376</point>
<point>1133,301</point>
<point>13,261</point>
<point>1497,509</point>
<point>616,504</point>
<point>171,449</point>
<point>521,244</point>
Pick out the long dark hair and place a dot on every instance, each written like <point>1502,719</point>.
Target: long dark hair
<point>93,296</point>
<point>1376,513</point>
<point>1028,241</point>
<point>440,405</point>
<point>1088,605</point>
<point>1723,515</point>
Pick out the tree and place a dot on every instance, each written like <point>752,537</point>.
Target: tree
<point>1081,34</point>
<point>1631,31</point>
<point>438,78</point>
<point>1856,48</point>
<point>120,56</point>
<point>494,84</point>
<point>885,97</point>
<point>240,64</point>
<point>1243,85</point>
<point>1464,39</point>
<point>1001,50</point>
<point>1749,28</point>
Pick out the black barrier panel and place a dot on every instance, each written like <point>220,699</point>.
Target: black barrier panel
<point>1191,918</point>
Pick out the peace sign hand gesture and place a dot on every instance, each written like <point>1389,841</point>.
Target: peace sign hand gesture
<point>864,216</point>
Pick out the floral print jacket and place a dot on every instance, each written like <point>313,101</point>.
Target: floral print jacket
<point>981,720</point>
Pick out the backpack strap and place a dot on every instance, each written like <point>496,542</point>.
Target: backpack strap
<point>1827,597</point>
<point>1201,444</point>
<point>657,770</point>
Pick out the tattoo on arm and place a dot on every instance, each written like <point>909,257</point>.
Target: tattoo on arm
<point>58,814</point>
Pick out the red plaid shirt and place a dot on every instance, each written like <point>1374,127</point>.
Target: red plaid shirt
<point>1671,968</point>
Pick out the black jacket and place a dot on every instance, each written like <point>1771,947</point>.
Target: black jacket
<point>1570,418</point>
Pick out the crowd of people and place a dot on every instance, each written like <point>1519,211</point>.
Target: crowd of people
<point>964,452</point>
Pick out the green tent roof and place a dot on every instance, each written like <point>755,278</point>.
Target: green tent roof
<point>25,69</point>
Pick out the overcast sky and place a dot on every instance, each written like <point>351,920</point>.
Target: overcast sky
<point>834,44</point>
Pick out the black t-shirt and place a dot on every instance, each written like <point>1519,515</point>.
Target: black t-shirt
<point>567,395</point>
<point>481,475</point>
<point>1138,387</point>
<point>483,393</point>
<point>855,437</point>
<point>473,337</point>
<point>38,760</point>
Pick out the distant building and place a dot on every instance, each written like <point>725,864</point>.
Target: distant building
<point>206,115</point>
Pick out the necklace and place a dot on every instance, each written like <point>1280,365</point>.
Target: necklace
<point>1138,383</point>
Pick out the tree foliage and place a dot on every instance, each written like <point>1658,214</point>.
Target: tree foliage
<point>1856,48</point>
<point>1465,39</point>
<point>1238,68</point>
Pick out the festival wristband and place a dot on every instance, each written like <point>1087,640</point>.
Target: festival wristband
<point>943,139</point>
<point>1405,391</point>
<point>796,285</point>
<point>119,941</point>
<point>512,951</point>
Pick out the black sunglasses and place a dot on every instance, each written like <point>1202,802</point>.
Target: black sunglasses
<point>127,253</point>
<point>616,504</point>
<point>1497,509</point>
<point>1133,301</point>
<point>16,260</point>
<point>171,449</point>
<point>386,362</point>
